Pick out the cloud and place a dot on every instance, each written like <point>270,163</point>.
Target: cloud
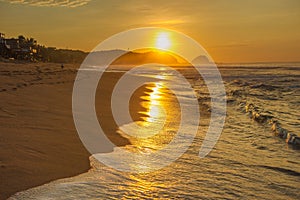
<point>50,3</point>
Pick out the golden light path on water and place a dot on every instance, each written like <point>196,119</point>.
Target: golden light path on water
<point>160,117</point>
<point>154,106</point>
<point>153,117</point>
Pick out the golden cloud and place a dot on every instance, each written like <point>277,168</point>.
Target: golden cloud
<point>50,3</point>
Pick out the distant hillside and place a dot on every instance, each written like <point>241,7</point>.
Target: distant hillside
<point>146,57</point>
<point>121,57</point>
<point>202,59</point>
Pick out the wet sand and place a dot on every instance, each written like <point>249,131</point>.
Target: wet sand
<point>38,139</point>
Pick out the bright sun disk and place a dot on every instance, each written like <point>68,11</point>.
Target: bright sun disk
<point>163,41</point>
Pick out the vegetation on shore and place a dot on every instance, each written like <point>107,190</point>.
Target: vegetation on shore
<point>28,49</point>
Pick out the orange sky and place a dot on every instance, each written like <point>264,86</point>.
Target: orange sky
<point>231,31</point>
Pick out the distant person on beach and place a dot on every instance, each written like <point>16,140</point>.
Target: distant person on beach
<point>62,66</point>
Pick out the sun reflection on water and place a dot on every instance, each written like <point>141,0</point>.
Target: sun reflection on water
<point>158,106</point>
<point>153,120</point>
<point>156,124</point>
<point>155,110</point>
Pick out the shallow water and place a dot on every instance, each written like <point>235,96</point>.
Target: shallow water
<point>248,161</point>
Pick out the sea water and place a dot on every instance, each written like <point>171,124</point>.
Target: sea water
<point>249,161</point>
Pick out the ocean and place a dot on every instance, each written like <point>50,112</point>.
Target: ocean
<point>256,156</point>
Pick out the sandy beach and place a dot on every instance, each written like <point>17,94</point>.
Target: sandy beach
<point>38,139</point>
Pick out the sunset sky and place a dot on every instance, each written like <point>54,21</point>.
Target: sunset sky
<point>231,31</point>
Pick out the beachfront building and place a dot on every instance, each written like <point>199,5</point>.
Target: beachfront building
<point>17,48</point>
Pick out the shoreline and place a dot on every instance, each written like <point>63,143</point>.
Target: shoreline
<point>39,142</point>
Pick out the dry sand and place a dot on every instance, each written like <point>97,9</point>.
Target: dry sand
<point>38,139</point>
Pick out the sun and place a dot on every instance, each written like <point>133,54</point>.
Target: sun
<point>163,41</point>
